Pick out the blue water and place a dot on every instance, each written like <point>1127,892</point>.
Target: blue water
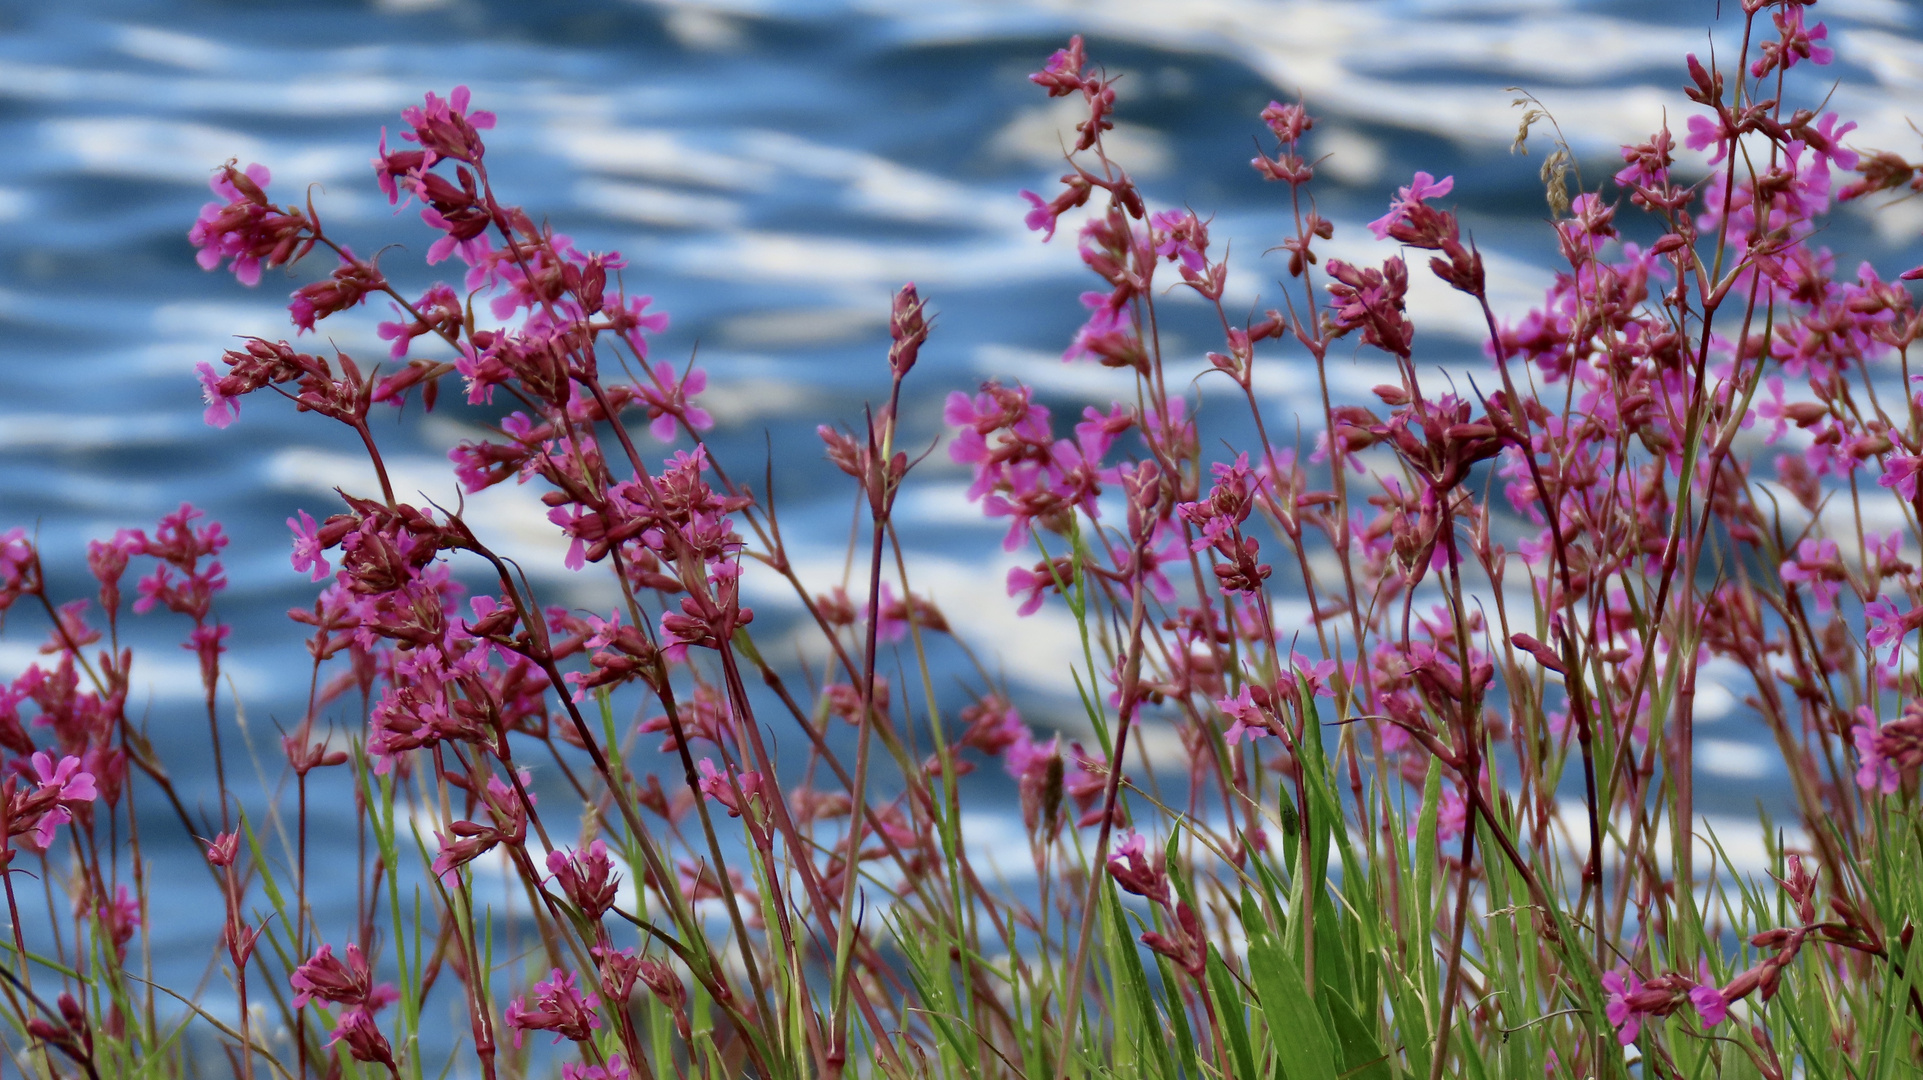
<point>773,171</point>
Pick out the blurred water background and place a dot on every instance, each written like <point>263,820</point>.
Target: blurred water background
<point>773,171</point>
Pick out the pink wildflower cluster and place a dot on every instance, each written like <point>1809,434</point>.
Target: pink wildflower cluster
<point>1420,682</point>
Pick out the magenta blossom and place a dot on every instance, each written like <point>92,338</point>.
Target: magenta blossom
<point>1710,1006</point>
<point>669,399</point>
<point>1875,771</point>
<point>1423,186</point>
<point>1627,1021</point>
<point>67,781</point>
<point>1704,130</point>
<point>1886,625</point>
<point>1250,721</point>
<point>445,128</point>
<point>559,1006</point>
<point>1900,475</point>
<point>222,409</point>
<point>1796,44</point>
<point>307,546</point>
<point>1040,218</point>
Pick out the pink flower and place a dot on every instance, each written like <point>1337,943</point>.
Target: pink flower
<point>587,877</point>
<point>307,546</point>
<point>222,409</point>
<point>1063,73</point>
<point>1704,130</point>
<point>1710,1005</point>
<point>1315,676</point>
<point>1826,139</point>
<point>1627,1021</point>
<point>1886,625</point>
<point>406,164</point>
<point>445,129</point>
<point>1876,772</point>
<point>1250,721</point>
<point>342,981</point>
<point>668,400</point>
<point>1132,869</point>
<point>1795,44</point>
<point>1648,163</point>
<point>1030,586</point>
<point>559,1006</point>
<point>246,228</point>
<point>1040,218</point>
<point>1818,565</point>
<point>1423,186</point>
<point>720,786</point>
<point>1183,237</point>
<point>67,782</point>
<point>348,286</point>
<point>1108,337</point>
<point>364,1040</point>
<point>1900,475</point>
<point>208,642</point>
<point>629,317</point>
<point>1288,122</point>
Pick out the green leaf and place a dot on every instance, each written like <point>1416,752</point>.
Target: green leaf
<point>1129,962</point>
<point>1178,1017</point>
<point>1301,1042</point>
<point>1230,1005</point>
<point>1361,1054</point>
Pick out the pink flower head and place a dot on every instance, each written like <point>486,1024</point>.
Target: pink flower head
<point>1627,1021</point>
<point>247,231</point>
<point>445,129</point>
<point>307,546</point>
<point>1795,44</point>
<point>1288,122</point>
<point>1704,130</point>
<point>629,317</point>
<point>404,164</point>
<point>1874,772</point>
<point>1900,475</point>
<point>1710,1006</point>
<point>1886,626</point>
<point>16,556</point>
<point>587,877</point>
<point>1182,237</point>
<point>363,1038</point>
<point>222,409</point>
<point>67,781</point>
<point>1826,138</point>
<point>1648,163</point>
<point>208,641</point>
<point>1250,721</point>
<point>1423,186</point>
<point>669,399</point>
<point>559,1006</point>
<point>1062,75</point>
<point>1032,587</point>
<point>1040,217</point>
<point>1818,565</point>
<point>341,980</point>
<point>1314,675</point>
<point>1130,866</point>
<point>1108,337</point>
<point>347,286</point>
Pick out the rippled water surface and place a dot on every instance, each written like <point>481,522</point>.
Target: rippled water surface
<point>772,171</point>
